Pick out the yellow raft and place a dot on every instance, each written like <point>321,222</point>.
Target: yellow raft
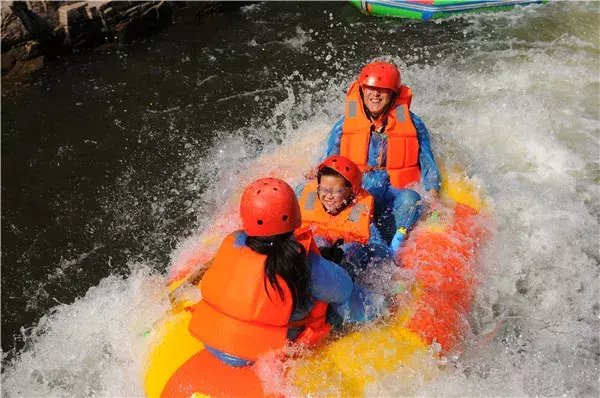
<point>440,253</point>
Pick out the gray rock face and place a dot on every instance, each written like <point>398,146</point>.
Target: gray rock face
<point>24,34</point>
<point>32,29</point>
<point>13,30</point>
<point>82,25</point>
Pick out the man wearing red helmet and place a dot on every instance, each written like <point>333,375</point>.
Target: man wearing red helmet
<point>339,212</point>
<point>388,142</point>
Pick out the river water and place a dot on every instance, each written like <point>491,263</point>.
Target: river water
<point>113,164</point>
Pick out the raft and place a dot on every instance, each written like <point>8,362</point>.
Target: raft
<point>433,9</point>
<point>431,320</point>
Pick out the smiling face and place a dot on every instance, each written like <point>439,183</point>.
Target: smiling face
<point>376,99</point>
<point>333,192</point>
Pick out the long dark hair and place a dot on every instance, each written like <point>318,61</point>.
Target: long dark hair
<point>286,258</point>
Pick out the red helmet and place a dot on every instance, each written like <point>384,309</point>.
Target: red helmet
<point>380,74</point>
<point>347,168</point>
<point>269,207</point>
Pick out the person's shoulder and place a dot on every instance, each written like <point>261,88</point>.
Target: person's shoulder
<point>238,238</point>
<point>338,124</point>
<point>419,123</point>
<point>415,117</point>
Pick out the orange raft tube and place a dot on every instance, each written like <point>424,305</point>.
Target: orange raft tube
<point>439,255</point>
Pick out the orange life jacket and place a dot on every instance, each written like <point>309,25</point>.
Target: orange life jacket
<point>402,162</point>
<point>351,224</point>
<point>240,313</point>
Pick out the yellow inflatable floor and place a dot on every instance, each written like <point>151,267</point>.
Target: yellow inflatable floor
<point>350,364</point>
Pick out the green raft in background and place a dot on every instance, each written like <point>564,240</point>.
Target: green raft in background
<point>432,9</point>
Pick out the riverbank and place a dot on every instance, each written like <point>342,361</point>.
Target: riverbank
<point>34,32</point>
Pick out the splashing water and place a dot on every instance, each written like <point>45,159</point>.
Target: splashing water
<point>515,102</point>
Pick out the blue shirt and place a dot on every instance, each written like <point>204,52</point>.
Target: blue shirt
<point>329,283</point>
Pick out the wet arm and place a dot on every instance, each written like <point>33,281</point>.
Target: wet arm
<point>332,284</point>
<point>377,244</point>
<point>334,139</point>
<point>430,174</point>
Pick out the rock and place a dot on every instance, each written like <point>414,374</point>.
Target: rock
<point>72,13</point>
<point>24,67</point>
<point>151,20</point>
<point>34,30</point>
<point>83,27</point>
<point>26,36</point>
<point>26,50</point>
<point>37,27</point>
<point>165,12</point>
<point>13,30</point>
<point>47,10</point>
<point>120,5</point>
<point>28,55</point>
<point>7,60</point>
<point>136,10</point>
<point>32,49</point>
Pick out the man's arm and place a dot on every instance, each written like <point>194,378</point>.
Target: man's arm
<point>333,142</point>
<point>377,243</point>
<point>430,174</point>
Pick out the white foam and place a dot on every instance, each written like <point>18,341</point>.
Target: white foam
<point>519,112</point>
<point>96,346</point>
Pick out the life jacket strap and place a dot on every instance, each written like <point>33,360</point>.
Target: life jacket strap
<point>316,329</point>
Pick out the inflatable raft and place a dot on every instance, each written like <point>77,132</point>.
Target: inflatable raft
<point>431,318</point>
<point>432,9</point>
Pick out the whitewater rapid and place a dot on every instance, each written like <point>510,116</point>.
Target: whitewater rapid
<point>517,107</point>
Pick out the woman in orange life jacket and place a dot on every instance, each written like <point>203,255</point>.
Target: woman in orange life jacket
<point>265,282</point>
<point>388,142</point>
<point>340,214</point>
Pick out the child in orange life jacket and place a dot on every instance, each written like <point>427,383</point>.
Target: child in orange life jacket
<point>265,282</point>
<point>340,214</point>
<point>388,142</point>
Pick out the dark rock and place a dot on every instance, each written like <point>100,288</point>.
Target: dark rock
<point>8,60</point>
<point>35,24</point>
<point>83,27</point>
<point>136,10</point>
<point>34,30</point>
<point>48,10</point>
<point>72,13</point>
<point>20,24</point>
<point>26,55</point>
<point>92,12</point>
<point>165,13</point>
<point>119,5</point>
<point>32,49</point>
<point>26,35</point>
<point>150,21</point>
<point>24,67</point>
<point>13,30</point>
<point>26,50</point>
